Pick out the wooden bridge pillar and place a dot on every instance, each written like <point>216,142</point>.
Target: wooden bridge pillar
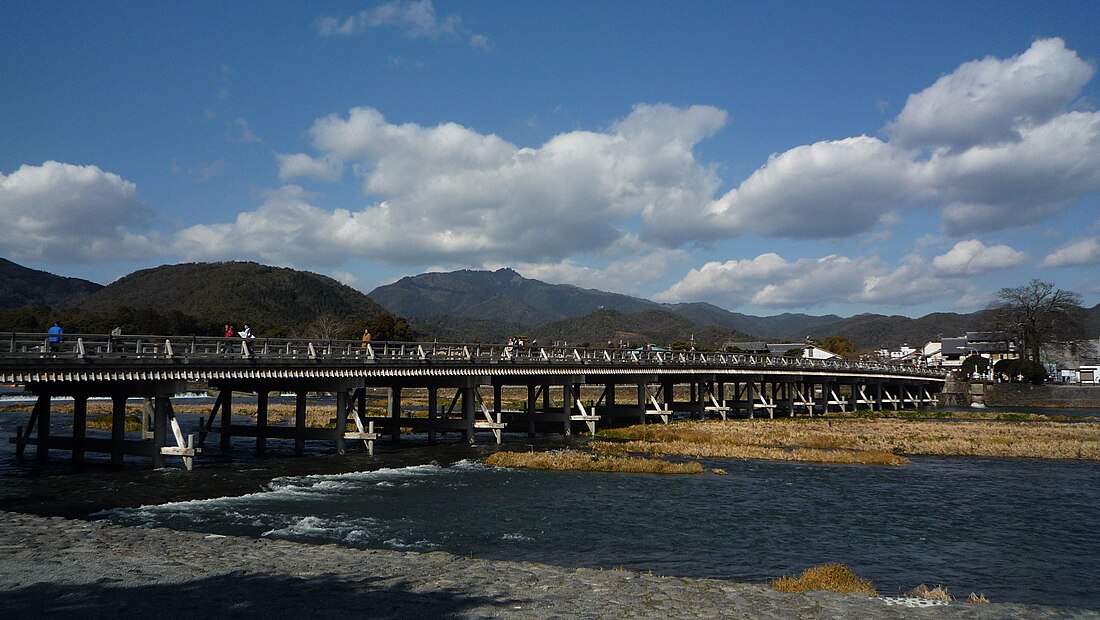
<point>300,421</point>
<point>395,414</point>
<point>261,421</point>
<point>567,408</point>
<point>468,412</point>
<point>699,401</point>
<point>750,397</point>
<point>787,389</point>
<point>226,435</point>
<point>433,412</point>
<point>118,429</point>
<point>42,407</point>
<point>160,429</point>
<point>80,426</point>
<point>341,421</point>
<point>532,403</point>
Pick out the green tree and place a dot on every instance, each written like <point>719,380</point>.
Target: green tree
<point>975,363</point>
<point>839,345</point>
<point>1021,370</point>
<point>1039,313</point>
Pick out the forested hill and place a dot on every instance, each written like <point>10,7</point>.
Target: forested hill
<point>21,286</point>
<point>636,328</point>
<point>494,304</point>
<point>274,300</point>
<point>872,331</point>
<point>501,295</point>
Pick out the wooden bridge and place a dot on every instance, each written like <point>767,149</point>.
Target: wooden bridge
<point>157,368</point>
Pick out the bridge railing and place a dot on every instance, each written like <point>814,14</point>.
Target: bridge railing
<point>24,347</point>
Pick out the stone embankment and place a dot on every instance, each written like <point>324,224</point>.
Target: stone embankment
<point>53,567</point>
<point>958,393</point>
<point>1026,395</point>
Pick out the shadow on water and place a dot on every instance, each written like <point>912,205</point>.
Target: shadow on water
<point>243,595</point>
<point>59,487</point>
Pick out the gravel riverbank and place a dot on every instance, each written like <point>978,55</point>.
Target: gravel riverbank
<point>54,567</point>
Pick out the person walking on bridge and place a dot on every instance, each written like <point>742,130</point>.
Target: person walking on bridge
<point>55,336</point>
<point>246,340</point>
<point>227,338</point>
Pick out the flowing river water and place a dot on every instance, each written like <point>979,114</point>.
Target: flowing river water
<point>1014,529</point>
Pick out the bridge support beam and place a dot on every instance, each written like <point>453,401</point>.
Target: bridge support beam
<point>42,407</point>
<point>261,421</point>
<point>433,412</point>
<point>300,422</point>
<point>118,430</point>
<point>225,435</point>
<point>395,414</point>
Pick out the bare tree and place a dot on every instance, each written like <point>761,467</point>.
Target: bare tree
<point>1039,313</point>
<point>325,326</point>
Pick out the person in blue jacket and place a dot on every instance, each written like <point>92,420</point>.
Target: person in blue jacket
<point>55,336</point>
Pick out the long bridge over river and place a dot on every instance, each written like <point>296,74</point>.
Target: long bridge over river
<point>464,385</point>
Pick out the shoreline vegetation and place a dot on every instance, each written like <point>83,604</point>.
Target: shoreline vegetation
<point>858,439</point>
<point>839,578</point>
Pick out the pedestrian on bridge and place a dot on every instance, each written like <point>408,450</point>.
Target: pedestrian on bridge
<point>227,338</point>
<point>55,336</point>
<point>246,340</point>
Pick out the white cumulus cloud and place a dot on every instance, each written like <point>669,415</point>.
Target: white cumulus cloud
<point>450,194</point>
<point>972,257</point>
<point>1082,252</point>
<point>62,213</point>
<point>301,165</point>
<point>828,189</point>
<point>769,280</point>
<point>985,102</point>
<point>991,146</point>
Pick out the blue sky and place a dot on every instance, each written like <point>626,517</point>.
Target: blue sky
<point>816,157</point>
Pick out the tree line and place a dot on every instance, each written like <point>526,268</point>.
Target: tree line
<point>131,320</point>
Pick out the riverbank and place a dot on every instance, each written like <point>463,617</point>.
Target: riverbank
<point>868,440</point>
<point>53,567</point>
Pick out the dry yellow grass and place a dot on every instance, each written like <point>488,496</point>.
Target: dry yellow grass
<point>976,599</point>
<point>938,593</point>
<point>863,440</point>
<point>575,460</point>
<point>830,577</point>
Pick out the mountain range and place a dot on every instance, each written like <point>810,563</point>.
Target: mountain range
<point>562,311</point>
<point>467,305</point>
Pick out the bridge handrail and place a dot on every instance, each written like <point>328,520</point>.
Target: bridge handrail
<point>22,347</point>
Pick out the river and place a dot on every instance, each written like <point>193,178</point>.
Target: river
<point>1015,530</point>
